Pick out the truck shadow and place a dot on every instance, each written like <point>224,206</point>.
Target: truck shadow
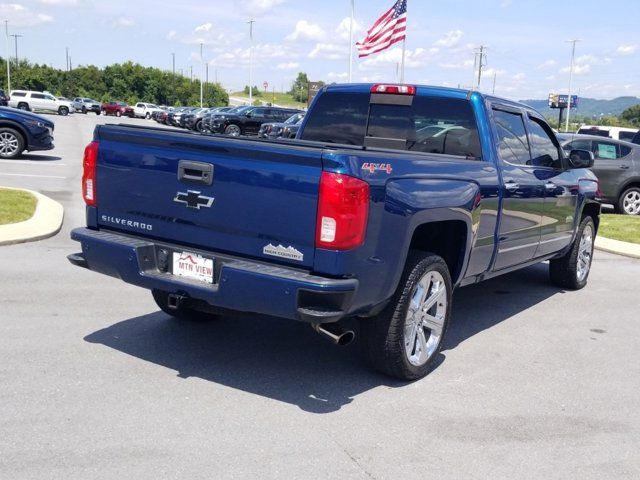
<point>287,361</point>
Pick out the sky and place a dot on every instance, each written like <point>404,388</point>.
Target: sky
<point>527,53</point>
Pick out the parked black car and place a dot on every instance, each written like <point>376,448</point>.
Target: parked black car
<point>219,111</point>
<point>286,129</point>
<point>248,122</point>
<point>617,166</point>
<point>4,99</point>
<point>20,131</point>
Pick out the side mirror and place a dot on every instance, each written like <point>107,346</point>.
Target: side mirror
<point>248,114</point>
<point>581,159</point>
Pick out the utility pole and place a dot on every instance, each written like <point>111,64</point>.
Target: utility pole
<point>351,42</point>
<point>495,74</point>
<point>191,70</point>
<point>251,22</point>
<point>573,54</point>
<point>173,63</point>
<point>201,71</point>
<point>6,31</point>
<point>481,61</point>
<point>15,36</point>
<point>67,49</point>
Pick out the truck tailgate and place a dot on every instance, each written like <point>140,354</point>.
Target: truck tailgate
<point>246,197</point>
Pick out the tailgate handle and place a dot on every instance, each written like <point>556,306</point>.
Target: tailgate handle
<point>195,172</point>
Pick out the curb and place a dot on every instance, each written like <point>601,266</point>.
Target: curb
<point>45,222</point>
<point>616,246</point>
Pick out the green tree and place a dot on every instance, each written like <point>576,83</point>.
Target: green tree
<point>632,115</point>
<point>255,92</point>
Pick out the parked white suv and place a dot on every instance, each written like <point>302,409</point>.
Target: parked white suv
<point>144,110</point>
<point>39,101</point>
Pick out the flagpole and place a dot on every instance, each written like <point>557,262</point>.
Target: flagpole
<point>351,42</point>
<point>404,41</point>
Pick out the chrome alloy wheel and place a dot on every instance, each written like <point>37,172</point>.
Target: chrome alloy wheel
<point>233,130</point>
<point>424,323</point>
<point>631,202</point>
<point>9,144</point>
<point>585,252</point>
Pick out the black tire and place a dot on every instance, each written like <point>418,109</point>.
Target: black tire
<point>567,271</point>
<point>383,337</point>
<point>84,110</point>
<point>24,106</point>
<point>233,130</point>
<point>98,112</point>
<point>630,208</point>
<point>198,127</point>
<point>15,145</point>
<point>64,111</point>
<point>147,116</point>
<point>183,312</point>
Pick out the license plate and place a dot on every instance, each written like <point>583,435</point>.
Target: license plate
<point>193,266</point>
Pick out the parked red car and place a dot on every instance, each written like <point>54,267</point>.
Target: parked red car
<point>117,108</point>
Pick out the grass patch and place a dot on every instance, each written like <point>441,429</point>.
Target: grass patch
<point>282,99</point>
<point>16,206</point>
<point>625,228</point>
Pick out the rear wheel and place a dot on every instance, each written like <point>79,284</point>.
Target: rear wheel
<point>233,130</point>
<point>84,110</point>
<point>64,111</point>
<point>198,127</point>
<point>23,106</point>
<point>406,337</point>
<point>11,143</point>
<point>147,116</point>
<point>183,311</point>
<point>572,270</point>
<point>629,201</point>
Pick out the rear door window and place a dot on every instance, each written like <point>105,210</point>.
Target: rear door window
<point>606,150</point>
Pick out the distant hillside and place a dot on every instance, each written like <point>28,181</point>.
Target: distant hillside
<point>589,107</point>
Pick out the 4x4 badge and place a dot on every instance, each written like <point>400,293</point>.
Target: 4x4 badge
<point>193,199</point>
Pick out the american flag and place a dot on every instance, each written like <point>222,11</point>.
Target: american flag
<point>388,29</point>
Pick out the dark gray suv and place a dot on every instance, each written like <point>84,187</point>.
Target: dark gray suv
<point>617,166</point>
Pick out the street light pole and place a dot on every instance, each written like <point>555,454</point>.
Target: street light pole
<point>250,22</point>
<point>6,31</point>
<point>173,63</point>
<point>201,69</point>
<point>15,36</point>
<point>573,54</point>
<point>67,49</point>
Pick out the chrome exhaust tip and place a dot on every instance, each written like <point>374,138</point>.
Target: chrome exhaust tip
<point>335,333</point>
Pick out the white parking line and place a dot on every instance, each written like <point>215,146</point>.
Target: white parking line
<point>27,175</point>
<point>36,162</point>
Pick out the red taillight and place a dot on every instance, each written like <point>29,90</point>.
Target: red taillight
<point>343,207</point>
<point>89,174</point>
<point>394,89</point>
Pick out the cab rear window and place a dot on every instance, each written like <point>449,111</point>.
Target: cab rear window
<point>429,124</point>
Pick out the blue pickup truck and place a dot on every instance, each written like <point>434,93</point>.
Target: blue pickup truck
<point>390,197</point>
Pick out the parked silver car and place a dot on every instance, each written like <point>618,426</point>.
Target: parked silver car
<point>617,166</point>
<point>84,105</point>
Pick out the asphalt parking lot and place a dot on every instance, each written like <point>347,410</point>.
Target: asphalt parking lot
<point>534,382</point>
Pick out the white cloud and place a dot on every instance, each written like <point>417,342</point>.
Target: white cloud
<point>20,16</point>
<point>578,69</point>
<point>63,3</point>
<point>457,65</point>
<point>505,4</point>
<point>519,76</point>
<point>171,35</point>
<point>337,76</point>
<point>306,31</point>
<point>287,66</point>
<point>547,64</point>
<point>451,39</point>
<point>123,22</point>
<point>343,29</point>
<point>330,51</point>
<point>263,54</point>
<point>490,72</point>
<point>205,27</point>
<point>627,49</point>
<point>413,58</point>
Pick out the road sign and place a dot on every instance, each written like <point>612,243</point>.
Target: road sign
<point>312,89</point>
<point>265,84</point>
<point>560,101</point>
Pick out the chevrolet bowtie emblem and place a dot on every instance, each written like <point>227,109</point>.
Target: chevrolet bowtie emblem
<point>193,199</point>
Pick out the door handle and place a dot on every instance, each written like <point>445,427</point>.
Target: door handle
<point>624,167</point>
<point>511,186</point>
<point>550,186</point>
<point>195,172</point>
